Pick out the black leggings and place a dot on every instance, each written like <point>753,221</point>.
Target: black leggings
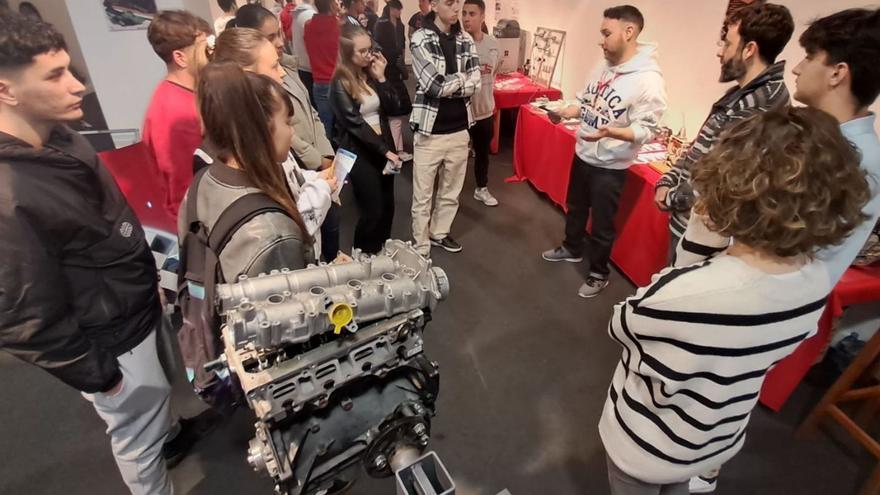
<point>374,194</point>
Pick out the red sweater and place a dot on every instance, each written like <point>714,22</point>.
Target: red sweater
<point>172,132</point>
<point>321,36</point>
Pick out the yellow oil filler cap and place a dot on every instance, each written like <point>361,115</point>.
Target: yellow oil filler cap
<point>341,315</point>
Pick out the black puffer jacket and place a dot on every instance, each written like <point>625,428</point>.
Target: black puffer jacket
<point>78,283</point>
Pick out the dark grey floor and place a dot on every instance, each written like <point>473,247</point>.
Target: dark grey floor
<point>525,366</point>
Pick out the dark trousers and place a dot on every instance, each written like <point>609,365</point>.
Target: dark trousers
<point>309,83</point>
<point>374,194</point>
<point>597,189</point>
<point>330,233</point>
<point>481,136</point>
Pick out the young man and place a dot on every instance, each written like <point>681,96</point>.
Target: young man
<point>172,130</point>
<point>353,10</point>
<point>286,18</point>
<point>621,107</point>
<point>322,44</point>
<point>447,75</point>
<point>302,14</point>
<point>228,7</point>
<point>370,14</point>
<point>753,38</point>
<point>839,77</point>
<point>78,283</point>
<point>473,16</point>
<point>415,22</point>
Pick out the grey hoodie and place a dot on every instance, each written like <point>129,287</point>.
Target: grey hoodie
<point>632,95</point>
<point>302,14</point>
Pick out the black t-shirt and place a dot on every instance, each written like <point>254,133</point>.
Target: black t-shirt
<point>452,113</point>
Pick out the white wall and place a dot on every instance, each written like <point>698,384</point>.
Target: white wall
<point>123,67</point>
<point>686,31</point>
<point>61,21</point>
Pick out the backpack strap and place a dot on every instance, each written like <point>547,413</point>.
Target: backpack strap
<point>235,216</point>
<point>191,256</point>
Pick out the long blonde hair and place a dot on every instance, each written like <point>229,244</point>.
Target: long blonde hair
<point>353,78</point>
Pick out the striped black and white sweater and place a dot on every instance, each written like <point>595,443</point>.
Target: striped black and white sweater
<point>766,92</point>
<point>697,344</point>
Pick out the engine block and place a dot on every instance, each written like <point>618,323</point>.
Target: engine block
<point>287,307</point>
<point>331,361</point>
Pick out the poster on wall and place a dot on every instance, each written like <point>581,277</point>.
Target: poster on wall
<point>507,9</point>
<point>125,15</point>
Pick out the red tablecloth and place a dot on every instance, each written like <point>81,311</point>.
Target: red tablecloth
<point>543,154</point>
<point>859,285</point>
<point>513,90</point>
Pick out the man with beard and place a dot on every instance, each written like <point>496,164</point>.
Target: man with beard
<point>751,40</point>
<point>620,109</point>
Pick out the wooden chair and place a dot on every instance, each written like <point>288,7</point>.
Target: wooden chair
<point>843,391</point>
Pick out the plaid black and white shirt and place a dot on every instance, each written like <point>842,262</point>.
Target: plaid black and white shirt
<point>432,82</point>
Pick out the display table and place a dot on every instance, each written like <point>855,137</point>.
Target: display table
<point>543,154</point>
<point>858,285</point>
<point>512,91</point>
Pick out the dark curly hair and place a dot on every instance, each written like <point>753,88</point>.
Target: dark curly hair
<point>769,25</point>
<point>851,37</point>
<point>23,38</point>
<point>785,182</point>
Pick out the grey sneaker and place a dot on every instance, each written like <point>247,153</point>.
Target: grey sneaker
<point>447,243</point>
<point>592,287</point>
<point>561,254</point>
<point>483,195</point>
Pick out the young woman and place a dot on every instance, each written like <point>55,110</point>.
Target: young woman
<point>246,119</point>
<point>358,95</point>
<point>700,339</point>
<point>390,35</point>
<point>253,52</point>
<point>311,143</point>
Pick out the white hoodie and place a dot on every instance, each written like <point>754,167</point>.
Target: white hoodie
<point>632,95</point>
<point>302,14</point>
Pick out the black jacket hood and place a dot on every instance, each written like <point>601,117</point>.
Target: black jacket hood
<point>429,23</point>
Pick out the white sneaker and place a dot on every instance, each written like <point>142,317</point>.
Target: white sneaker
<point>700,484</point>
<point>483,195</point>
<point>405,157</point>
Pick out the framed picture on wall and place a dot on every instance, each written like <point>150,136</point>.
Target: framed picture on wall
<point>125,15</point>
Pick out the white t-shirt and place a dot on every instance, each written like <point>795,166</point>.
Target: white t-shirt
<point>489,53</point>
<point>370,111</point>
<point>220,23</point>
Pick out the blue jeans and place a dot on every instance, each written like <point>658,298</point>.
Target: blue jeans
<point>322,105</point>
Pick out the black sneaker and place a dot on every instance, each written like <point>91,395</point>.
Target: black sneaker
<point>191,431</point>
<point>447,243</point>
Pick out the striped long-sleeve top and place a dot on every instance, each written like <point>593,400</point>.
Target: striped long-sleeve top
<point>767,91</point>
<point>697,344</point>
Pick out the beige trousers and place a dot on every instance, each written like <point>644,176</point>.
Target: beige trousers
<point>443,159</point>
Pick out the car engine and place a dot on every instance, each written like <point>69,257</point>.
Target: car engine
<point>331,361</point>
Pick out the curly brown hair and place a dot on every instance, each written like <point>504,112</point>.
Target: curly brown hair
<point>785,182</point>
